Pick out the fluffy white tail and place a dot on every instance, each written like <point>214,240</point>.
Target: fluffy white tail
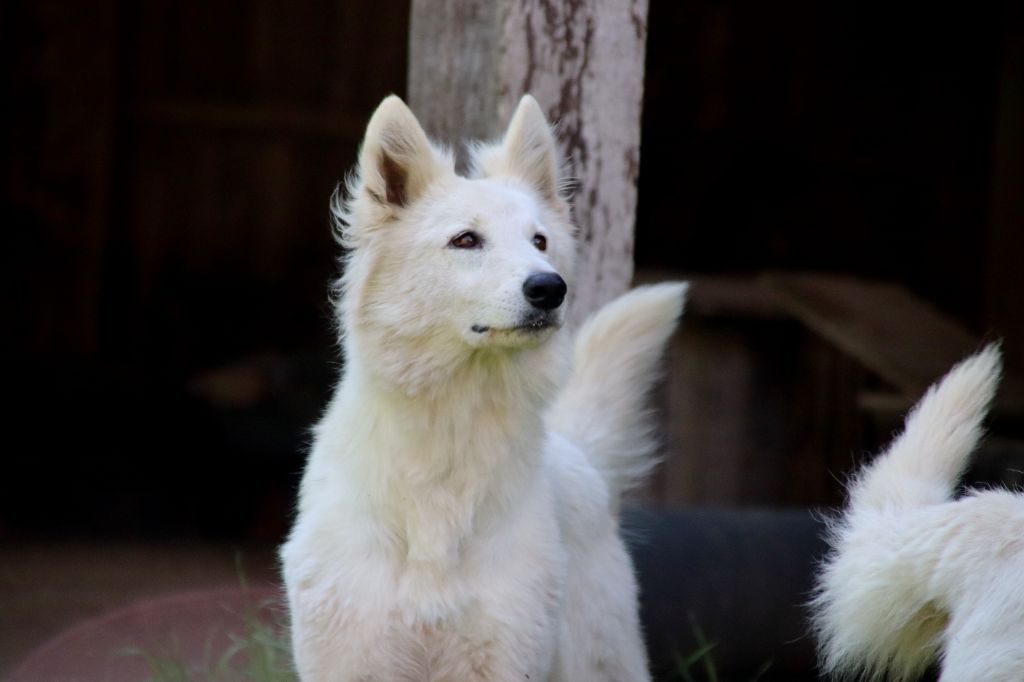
<point>923,464</point>
<point>874,609</point>
<point>617,356</point>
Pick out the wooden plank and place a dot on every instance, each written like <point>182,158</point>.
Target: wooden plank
<point>903,339</point>
<point>732,296</point>
<point>471,60</point>
<point>755,412</point>
<point>708,393</point>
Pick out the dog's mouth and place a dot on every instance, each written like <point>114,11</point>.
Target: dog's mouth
<point>531,324</point>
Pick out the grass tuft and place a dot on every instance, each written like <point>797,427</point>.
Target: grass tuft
<point>699,665</point>
<point>260,652</point>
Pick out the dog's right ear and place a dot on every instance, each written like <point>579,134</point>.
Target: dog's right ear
<point>528,151</point>
<point>397,162</point>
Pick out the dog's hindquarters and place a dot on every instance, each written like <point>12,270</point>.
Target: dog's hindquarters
<point>616,360</point>
<point>882,601</point>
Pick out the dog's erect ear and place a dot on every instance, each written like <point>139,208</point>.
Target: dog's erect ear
<point>397,161</point>
<point>527,151</point>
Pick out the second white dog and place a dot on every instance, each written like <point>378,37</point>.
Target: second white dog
<point>918,576</point>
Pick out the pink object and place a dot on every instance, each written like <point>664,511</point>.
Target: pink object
<point>193,628</point>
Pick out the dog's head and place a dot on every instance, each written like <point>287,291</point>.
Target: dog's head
<point>452,263</point>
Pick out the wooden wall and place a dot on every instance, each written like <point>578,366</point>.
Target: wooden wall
<point>177,158</point>
<point>239,119</point>
<point>862,138</point>
<point>843,136</point>
<point>166,182</point>
<point>164,189</point>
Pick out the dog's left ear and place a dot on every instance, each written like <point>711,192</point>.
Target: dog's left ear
<point>528,151</point>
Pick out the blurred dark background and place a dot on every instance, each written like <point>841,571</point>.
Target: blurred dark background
<point>166,173</point>
<point>166,182</point>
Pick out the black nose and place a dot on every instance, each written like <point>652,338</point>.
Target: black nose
<point>545,290</point>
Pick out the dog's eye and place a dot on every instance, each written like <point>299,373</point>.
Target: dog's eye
<point>541,242</point>
<point>466,240</point>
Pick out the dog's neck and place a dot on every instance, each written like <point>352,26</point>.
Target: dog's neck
<point>439,465</point>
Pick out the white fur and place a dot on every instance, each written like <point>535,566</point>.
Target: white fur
<point>917,576</point>
<point>447,530</point>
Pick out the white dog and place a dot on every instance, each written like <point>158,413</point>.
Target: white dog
<point>458,514</point>
<point>916,576</point>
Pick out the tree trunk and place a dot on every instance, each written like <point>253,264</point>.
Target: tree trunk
<point>471,60</point>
